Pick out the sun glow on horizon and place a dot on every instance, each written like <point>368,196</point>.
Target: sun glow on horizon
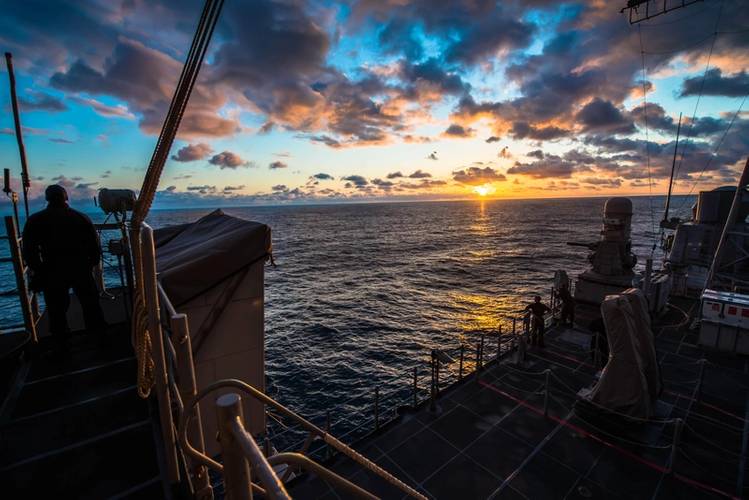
<point>483,190</point>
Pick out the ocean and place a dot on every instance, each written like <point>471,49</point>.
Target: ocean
<point>361,293</point>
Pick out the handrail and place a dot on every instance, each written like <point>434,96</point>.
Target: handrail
<point>274,488</point>
<point>322,472</point>
<point>310,427</point>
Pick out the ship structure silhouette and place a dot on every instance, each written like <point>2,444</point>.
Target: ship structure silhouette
<point>169,401</point>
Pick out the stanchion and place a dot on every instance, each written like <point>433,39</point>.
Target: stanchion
<point>675,444</point>
<point>236,469</point>
<point>460,365</point>
<point>416,389</point>
<point>377,408</point>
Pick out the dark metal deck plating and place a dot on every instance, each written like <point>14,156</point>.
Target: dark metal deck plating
<point>489,437</point>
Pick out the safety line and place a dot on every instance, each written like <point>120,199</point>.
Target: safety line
<point>566,423</point>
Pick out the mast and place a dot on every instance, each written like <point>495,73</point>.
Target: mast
<point>671,181</point>
<point>19,134</point>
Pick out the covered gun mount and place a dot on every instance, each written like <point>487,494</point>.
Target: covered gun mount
<point>611,258</point>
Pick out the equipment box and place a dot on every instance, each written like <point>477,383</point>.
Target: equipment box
<point>725,321</point>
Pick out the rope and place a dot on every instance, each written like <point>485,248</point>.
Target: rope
<point>186,82</point>
<point>647,139</point>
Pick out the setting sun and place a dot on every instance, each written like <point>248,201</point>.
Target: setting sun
<point>483,190</point>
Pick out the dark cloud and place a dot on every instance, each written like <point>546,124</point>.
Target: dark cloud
<point>735,85</point>
<point>432,156</point>
<point>523,130</point>
<point>475,176</point>
<point>323,177</point>
<point>601,115</point>
<point>419,174</point>
<point>491,139</point>
<point>424,184</point>
<point>275,165</point>
<point>546,167</point>
<point>394,175</point>
<point>193,152</point>
<point>455,130</point>
<point>356,180</point>
<point>227,159</point>
<point>39,101</point>
<point>280,187</point>
<point>145,78</point>
<point>234,188</point>
<point>383,184</point>
<point>203,189</point>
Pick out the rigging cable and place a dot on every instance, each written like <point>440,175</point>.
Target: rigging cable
<point>715,151</point>
<point>647,140</point>
<point>699,95</point>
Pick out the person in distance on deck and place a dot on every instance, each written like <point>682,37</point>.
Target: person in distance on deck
<point>61,247</point>
<point>568,305</point>
<point>537,309</point>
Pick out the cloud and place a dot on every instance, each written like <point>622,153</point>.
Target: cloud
<point>394,175</point>
<point>736,85</point>
<point>549,166</point>
<point>193,152</point>
<point>233,188</point>
<point>455,130</point>
<point>116,111</point>
<point>203,189</point>
<point>504,152</point>
<point>275,165</point>
<point>432,156</point>
<point>227,159</point>
<point>600,115</point>
<point>145,78</point>
<point>356,180</point>
<point>280,187</point>
<point>475,176</point>
<point>40,101</point>
<point>491,139</point>
<point>323,177</point>
<point>523,130</point>
<point>61,140</point>
<point>419,174</point>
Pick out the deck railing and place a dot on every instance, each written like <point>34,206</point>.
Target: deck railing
<point>177,400</point>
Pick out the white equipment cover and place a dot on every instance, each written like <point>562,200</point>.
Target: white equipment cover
<point>195,257</point>
<point>630,382</point>
<point>213,271</point>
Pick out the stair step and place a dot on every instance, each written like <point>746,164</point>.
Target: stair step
<point>99,468</point>
<point>72,424</point>
<point>52,393</point>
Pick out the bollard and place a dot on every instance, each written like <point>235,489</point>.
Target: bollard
<point>698,394</point>
<point>675,444</point>
<point>460,365</point>
<point>416,389</point>
<point>236,469</point>
<point>546,393</point>
<point>377,408</point>
<point>328,449</point>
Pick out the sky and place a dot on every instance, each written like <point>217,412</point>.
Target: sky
<point>369,100</point>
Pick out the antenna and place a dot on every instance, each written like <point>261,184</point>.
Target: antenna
<point>26,184</point>
<point>641,10</point>
<point>664,222</point>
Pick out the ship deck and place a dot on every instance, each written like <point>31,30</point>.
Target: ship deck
<point>489,437</point>
<point>73,426</point>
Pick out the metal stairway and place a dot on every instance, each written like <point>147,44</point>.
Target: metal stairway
<point>75,426</point>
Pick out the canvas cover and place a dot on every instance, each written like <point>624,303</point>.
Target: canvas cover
<point>193,258</point>
<point>630,382</point>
